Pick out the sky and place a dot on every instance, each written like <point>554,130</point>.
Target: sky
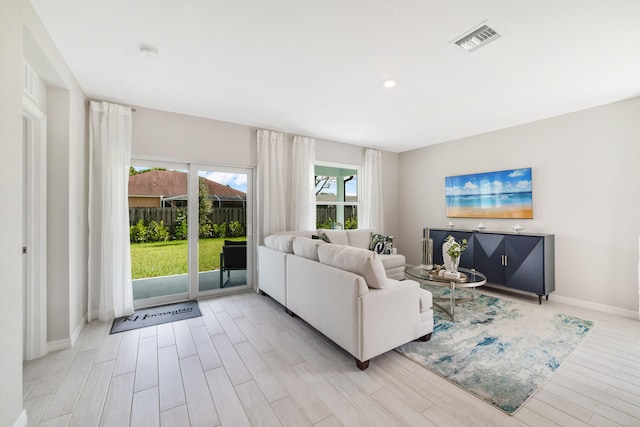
<point>351,189</point>
<point>507,181</point>
<point>237,181</point>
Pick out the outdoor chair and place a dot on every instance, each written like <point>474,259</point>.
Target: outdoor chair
<point>232,257</point>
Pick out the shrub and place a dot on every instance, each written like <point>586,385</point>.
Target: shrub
<point>326,224</point>
<point>220,230</point>
<point>157,232</point>
<point>236,229</point>
<point>206,231</point>
<point>138,233</point>
<point>182,229</point>
<point>351,223</point>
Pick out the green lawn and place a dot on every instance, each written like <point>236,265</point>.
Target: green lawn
<point>168,258</point>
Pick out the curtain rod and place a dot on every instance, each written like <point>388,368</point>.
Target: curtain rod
<point>133,110</point>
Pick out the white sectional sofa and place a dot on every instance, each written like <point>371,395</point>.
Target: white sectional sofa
<point>343,291</point>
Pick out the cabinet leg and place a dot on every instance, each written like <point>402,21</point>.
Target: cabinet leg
<point>539,299</point>
<point>546,297</point>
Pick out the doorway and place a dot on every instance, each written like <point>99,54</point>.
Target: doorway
<point>182,218</point>
<point>34,231</point>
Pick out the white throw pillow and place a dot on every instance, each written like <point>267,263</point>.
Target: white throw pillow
<point>356,260</point>
<point>280,242</point>
<point>307,248</point>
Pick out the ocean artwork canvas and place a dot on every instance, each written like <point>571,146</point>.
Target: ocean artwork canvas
<point>499,194</point>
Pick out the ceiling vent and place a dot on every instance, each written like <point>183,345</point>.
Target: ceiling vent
<point>484,35</point>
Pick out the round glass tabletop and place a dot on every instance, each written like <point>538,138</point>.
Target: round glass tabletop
<point>468,277</point>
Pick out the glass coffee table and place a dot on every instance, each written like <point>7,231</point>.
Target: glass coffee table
<point>469,278</point>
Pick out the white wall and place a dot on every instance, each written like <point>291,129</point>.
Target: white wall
<point>585,177</point>
<point>57,214</point>
<point>11,211</point>
<point>67,167</point>
<point>171,136</point>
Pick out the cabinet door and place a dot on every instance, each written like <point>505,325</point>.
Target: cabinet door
<point>525,263</point>
<point>488,256</point>
<point>439,236</point>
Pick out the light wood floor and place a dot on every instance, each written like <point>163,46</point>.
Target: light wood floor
<point>246,362</point>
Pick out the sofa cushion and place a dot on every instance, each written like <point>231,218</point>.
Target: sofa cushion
<point>307,248</point>
<point>280,242</point>
<point>298,233</point>
<point>360,238</point>
<point>392,261</point>
<point>356,260</point>
<point>381,244</point>
<point>335,236</point>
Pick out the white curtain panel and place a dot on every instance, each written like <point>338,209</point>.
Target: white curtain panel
<point>372,215</point>
<point>271,185</point>
<point>110,293</point>
<point>303,212</point>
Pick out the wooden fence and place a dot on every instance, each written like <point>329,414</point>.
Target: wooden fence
<point>170,215</point>
<point>219,215</point>
<point>326,212</point>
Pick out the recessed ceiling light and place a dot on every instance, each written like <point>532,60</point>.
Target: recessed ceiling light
<point>389,83</point>
<point>149,52</point>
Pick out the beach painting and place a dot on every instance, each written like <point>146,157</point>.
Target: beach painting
<point>500,194</point>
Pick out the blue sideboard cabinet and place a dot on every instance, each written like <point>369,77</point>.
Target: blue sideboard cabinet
<point>522,262</point>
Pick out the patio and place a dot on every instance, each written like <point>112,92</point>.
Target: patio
<point>170,285</point>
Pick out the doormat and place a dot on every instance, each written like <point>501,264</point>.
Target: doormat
<point>156,316</point>
<point>499,350</point>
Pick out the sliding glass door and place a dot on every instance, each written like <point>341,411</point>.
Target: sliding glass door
<point>158,207</point>
<point>188,231</point>
<point>223,218</point>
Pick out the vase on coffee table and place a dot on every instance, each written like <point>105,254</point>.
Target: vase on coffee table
<point>454,264</point>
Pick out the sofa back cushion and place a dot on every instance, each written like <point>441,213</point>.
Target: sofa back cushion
<point>360,238</point>
<point>299,233</point>
<point>356,260</point>
<point>280,242</point>
<point>339,237</point>
<point>307,248</point>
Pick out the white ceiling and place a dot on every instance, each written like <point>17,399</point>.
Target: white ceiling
<point>316,67</point>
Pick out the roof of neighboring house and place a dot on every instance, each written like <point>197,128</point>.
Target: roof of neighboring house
<point>174,183</point>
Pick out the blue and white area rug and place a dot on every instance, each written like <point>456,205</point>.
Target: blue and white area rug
<point>499,350</point>
<point>156,316</point>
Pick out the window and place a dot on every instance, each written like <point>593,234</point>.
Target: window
<point>337,199</point>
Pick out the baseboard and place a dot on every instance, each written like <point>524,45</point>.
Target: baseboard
<point>78,330</point>
<point>68,342</point>
<point>630,314</point>
<point>58,344</point>
<point>22,419</point>
<point>597,307</point>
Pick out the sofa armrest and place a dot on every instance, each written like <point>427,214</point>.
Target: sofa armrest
<point>389,317</point>
<point>272,273</point>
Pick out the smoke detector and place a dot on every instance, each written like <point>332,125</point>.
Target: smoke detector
<point>149,52</point>
<point>480,36</point>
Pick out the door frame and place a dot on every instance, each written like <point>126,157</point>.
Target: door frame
<point>192,168</point>
<point>194,290</point>
<point>35,230</point>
